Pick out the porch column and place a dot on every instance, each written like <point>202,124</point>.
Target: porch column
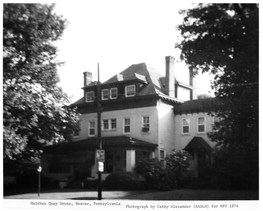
<point>130,160</point>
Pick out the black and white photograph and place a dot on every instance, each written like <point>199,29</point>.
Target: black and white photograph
<point>130,105</point>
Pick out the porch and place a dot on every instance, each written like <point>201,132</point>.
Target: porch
<point>122,153</point>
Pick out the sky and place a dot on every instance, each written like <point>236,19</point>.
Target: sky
<point>117,34</point>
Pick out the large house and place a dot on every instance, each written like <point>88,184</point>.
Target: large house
<point>144,114</point>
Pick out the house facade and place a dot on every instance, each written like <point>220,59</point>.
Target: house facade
<point>143,115</point>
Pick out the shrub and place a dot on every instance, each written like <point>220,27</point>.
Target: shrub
<point>123,181</point>
<point>154,173</point>
<point>177,165</point>
<point>90,183</point>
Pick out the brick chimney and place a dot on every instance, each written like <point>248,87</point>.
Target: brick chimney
<point>192,82</point>
<point>169,77</point>
<point>87,78</point>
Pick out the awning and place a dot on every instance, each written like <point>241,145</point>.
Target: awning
<point>91,144</point>
<point>199,144</point>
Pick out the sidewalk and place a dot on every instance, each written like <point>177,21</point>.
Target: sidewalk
<point>183,194</point>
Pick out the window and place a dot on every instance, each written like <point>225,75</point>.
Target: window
<point>127,125</point>
<point>201,125</point>
<point>90,96</point>
<point>109,124</point>
<point>130,91</point>
<point>105,124</point>
<point>105,94</point>
<point>113,123</point>
<point>92,128</point>
<point>146,124</point>
<point>186,126</point>
<point>113,93</point>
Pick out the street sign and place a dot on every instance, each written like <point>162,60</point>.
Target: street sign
<point>100,166</point>
<point>100,155</point>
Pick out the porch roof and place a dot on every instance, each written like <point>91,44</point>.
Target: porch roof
<point>198,143</point>
<point>91,144</point>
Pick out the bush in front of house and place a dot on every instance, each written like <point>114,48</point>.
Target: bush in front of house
<point>156,177</point>
<point>172,176</point>
<point>123,181</point>
<point>90,183</point>
<point>177,166</point>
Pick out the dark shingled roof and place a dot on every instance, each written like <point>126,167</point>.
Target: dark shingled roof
<point>92,144</point>
<point>198,143</point>
<point>153,81</point>
<point>198,105</point>
<point>150,75</point>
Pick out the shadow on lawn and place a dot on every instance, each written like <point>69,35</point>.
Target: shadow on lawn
<point>83,198</point>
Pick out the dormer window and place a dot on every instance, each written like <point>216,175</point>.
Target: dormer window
<point>130,91</point>
<point>90,96</point>
<point>105,94</point>
<point>113,93</point>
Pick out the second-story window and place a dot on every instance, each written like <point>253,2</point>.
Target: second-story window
<point>130,91</point>
<point>127,125</point>
<point>201,125</point>
<point>113,93</point>
<point>145,124</point>
<point>186,126</point>
<point>92,128</point>
<point>109,124</point>
<point>105,94</point>
<point>90,96</point>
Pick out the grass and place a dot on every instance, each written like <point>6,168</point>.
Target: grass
<point>180,194</point>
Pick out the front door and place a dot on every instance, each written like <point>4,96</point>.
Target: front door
<point>109,163</point>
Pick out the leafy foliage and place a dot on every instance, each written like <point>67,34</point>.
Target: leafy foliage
<point>224,39</point>
<point>204,96</point>
<point>177,164</point>
<point>165,178</point>
<point>34,112</point>
<point>154,173</point>
<point>123,181</point>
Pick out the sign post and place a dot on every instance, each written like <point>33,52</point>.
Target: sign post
<point>101,153</point>
<point>39,169</point>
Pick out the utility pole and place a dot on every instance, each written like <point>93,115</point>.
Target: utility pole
<point>99,132</point>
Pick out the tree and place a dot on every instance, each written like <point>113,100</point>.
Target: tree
<point>34,112</point>
<point>203,96</point>
<point>224,39</point>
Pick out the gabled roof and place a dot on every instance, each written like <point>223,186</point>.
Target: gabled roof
<point>199,144</point>
<point>198,105</point>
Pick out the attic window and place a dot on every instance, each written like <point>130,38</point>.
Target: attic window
<point>105,94</point>
<point>90,96</point>
<point>113,93</point>
<point>130,91</point>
